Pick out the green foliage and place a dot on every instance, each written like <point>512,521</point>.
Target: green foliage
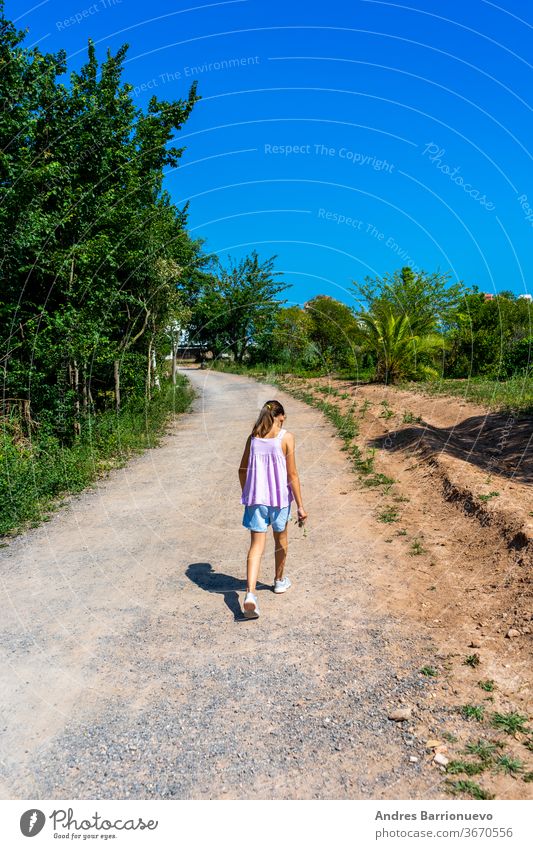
<point>95,262</point>
<point>456,767</point>
<point>483,749</point>
<point>518,355</point>
<point>237,307</point>
<point>333,331</point>
<point>509,765</point>
<point>388,515</point>
<point>490,338</point>
<point>470,788</point>
<point>473,712</point>
<point>511,722</point>
<point>428,301</point>
<point>488,496</point>
<point>409,418</point>
<point>402,318</point>
<point>416,548</point>
<point>288,340</point>
<point>400,351</point>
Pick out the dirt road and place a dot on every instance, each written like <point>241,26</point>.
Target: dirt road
<point>129,672</point>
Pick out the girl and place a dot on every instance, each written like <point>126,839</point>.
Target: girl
<point>269,482</point>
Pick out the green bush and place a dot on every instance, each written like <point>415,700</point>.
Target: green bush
<point>518,359</point>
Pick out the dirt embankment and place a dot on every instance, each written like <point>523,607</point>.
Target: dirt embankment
<point>455,504</point>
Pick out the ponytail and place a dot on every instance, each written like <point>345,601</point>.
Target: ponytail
<point>266,417</point>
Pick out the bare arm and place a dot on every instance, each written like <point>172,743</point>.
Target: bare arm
<point>243,467</point>
<point>292,472</point>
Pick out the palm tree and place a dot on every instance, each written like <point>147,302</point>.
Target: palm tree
<point>401,351</point>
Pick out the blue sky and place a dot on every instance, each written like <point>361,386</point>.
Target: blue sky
<point>348,138</point>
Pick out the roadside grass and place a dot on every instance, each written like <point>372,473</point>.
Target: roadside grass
<point>488,497</point>
<point>470,788</point>
<point>36,477</point>
<point>282,370</point>
<point>514,394</point>
<point>487,685</point>
<point>511,722</point>
<point>509,765</point>
<point>466,767</point>
<point>451,738</point>
<point>410,418</point>
<point>377,479</point>
<point>429,671</point>
<point>488,756</point>
<point>416,548</point>
<point>261,370</point>
<point>476,712</point>
<point>472,660</point>
<point>388,514</point>
<point>485,750</point>
<point>387,412</point>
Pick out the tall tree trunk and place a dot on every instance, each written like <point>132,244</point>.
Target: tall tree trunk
<point>157,382</point>
<point>84,403</point>
<point>149,372</point>
<point>116,375</point>
<point>77,423</point>
<point>174,362</point>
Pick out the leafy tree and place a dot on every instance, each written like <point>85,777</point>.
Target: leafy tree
<point>400,353</point>
<point>93,252</point>
<point>518,359</point>
<point>334,330</point>
<point>286,338</point>
<point>236,305</point>
<point>428,300</point>
<point>485,333</point>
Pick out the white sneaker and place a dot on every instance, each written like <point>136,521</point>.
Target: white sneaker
<point>250,606</point>
<point>282,586</point>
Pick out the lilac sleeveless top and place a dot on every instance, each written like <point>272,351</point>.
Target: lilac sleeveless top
<point>266,478</point>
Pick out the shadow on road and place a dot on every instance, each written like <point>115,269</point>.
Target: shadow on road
<point>203,575</point>
<point>496,442</point>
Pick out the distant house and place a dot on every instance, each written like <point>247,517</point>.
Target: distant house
<point>489,297</point>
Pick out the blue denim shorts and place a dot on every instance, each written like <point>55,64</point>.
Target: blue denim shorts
<point>258,517</point>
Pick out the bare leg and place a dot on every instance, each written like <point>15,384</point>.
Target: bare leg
<point>281,542</point>
<point>257,546</point>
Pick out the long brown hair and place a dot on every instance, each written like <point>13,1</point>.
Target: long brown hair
<point>266,417</point>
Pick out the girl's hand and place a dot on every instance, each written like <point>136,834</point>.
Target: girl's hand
<point>302,516</point>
